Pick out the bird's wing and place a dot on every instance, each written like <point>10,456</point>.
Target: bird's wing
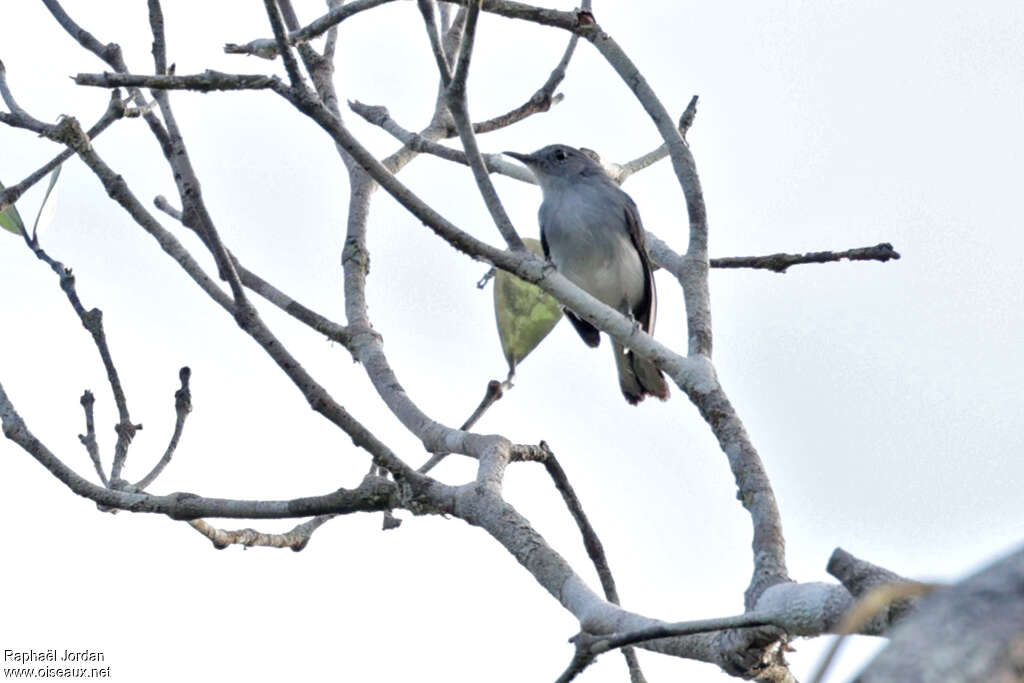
<point>646,311</point>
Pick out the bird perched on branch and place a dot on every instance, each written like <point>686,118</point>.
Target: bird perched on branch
<point>591,230</point>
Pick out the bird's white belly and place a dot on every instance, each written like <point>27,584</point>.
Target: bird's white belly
<point>607,266</point>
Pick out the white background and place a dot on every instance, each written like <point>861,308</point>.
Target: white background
<point>884,398</point>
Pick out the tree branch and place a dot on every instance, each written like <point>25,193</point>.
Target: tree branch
<point>456,98</point>
<point>291,66</point>
<point>92,321</point>
<point>111,54</point>
<point>182,407</point>
<point>494,163</point>
<point>297,538</point>
<point>781,262</point>
<point>207,81</point>
<point>373,494</point>
<point>89,438</point>
<point>295,309</point>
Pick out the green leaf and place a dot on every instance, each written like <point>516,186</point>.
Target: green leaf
<point>49,206</point>
<point>10,219</point>
<point>524,313</point>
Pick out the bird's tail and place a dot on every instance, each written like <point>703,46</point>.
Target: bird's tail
<point>638,377</point>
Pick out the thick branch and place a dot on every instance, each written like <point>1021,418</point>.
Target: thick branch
<point>970,631</point>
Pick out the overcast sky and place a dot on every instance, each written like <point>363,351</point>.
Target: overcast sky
<point>884,399</point>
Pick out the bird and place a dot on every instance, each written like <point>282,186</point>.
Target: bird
<point>591,231</point>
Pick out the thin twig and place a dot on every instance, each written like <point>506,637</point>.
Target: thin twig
<point>291,66</point>
<point>619,173</point>
<point>111,54</point>
<point>335,16</point>
<point>92,320</point>
<point>182,407</point>
<point>781,262</point>
<point>589,646</point>
<point>494,163</point>
<point>427,9</point>
<point>591,542</point>
<point>89,438</point>
<point>307,316</point>
<point>542,100</point>
<point>372,495</point>
<point>456,96</point>
<point>495,390</point>
<point>8,97</point>
<point>115,110</point>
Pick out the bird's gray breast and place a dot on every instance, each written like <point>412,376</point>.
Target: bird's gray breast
<point>589,242</point>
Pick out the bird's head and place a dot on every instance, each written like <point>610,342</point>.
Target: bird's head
<point>557,163</point>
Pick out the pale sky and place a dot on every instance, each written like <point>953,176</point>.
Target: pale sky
<point>884,399</point>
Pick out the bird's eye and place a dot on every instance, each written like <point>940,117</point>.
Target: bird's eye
<point>560,154</point>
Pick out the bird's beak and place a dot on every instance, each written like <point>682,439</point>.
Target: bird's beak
<point>527,159</point>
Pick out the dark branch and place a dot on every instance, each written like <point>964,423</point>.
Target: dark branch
<point>593,545</point>
<point>111,54</point>
<point>309,317</point>
<point>589,646</point>
<point>92,321</point>
<point>115,110</point>
<point>89,438</point>
<point>291,65</point>
<point>780,262</point>
<point>182,407</point>
<point>207,81</point>
<point>372,495</point>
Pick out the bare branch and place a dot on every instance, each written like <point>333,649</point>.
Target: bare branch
<point>297,538</point>
<point>427,8</point>
<point>111,54</point>
<point>456,97</point>
<point>620,173</point>
<point>494,163</point>
<point>8,97</point>
<point>781,262</point>
<point>207,81</point>
<point>335,16</point>
<point>291,66</point>
<point>589,646</point>
<point>89,438</point>
<point>543,99</point>
<point>156,25</point>
<point>372,495</point>
<point>115,110</point>
<point>303,314</point>
<point>593,545</point>
<point>970,631</point>
<point>182,407</point>
<point>92,320</point>
<point>869,608</point>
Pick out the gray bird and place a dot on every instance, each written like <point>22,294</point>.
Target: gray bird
<point>590,229</point>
